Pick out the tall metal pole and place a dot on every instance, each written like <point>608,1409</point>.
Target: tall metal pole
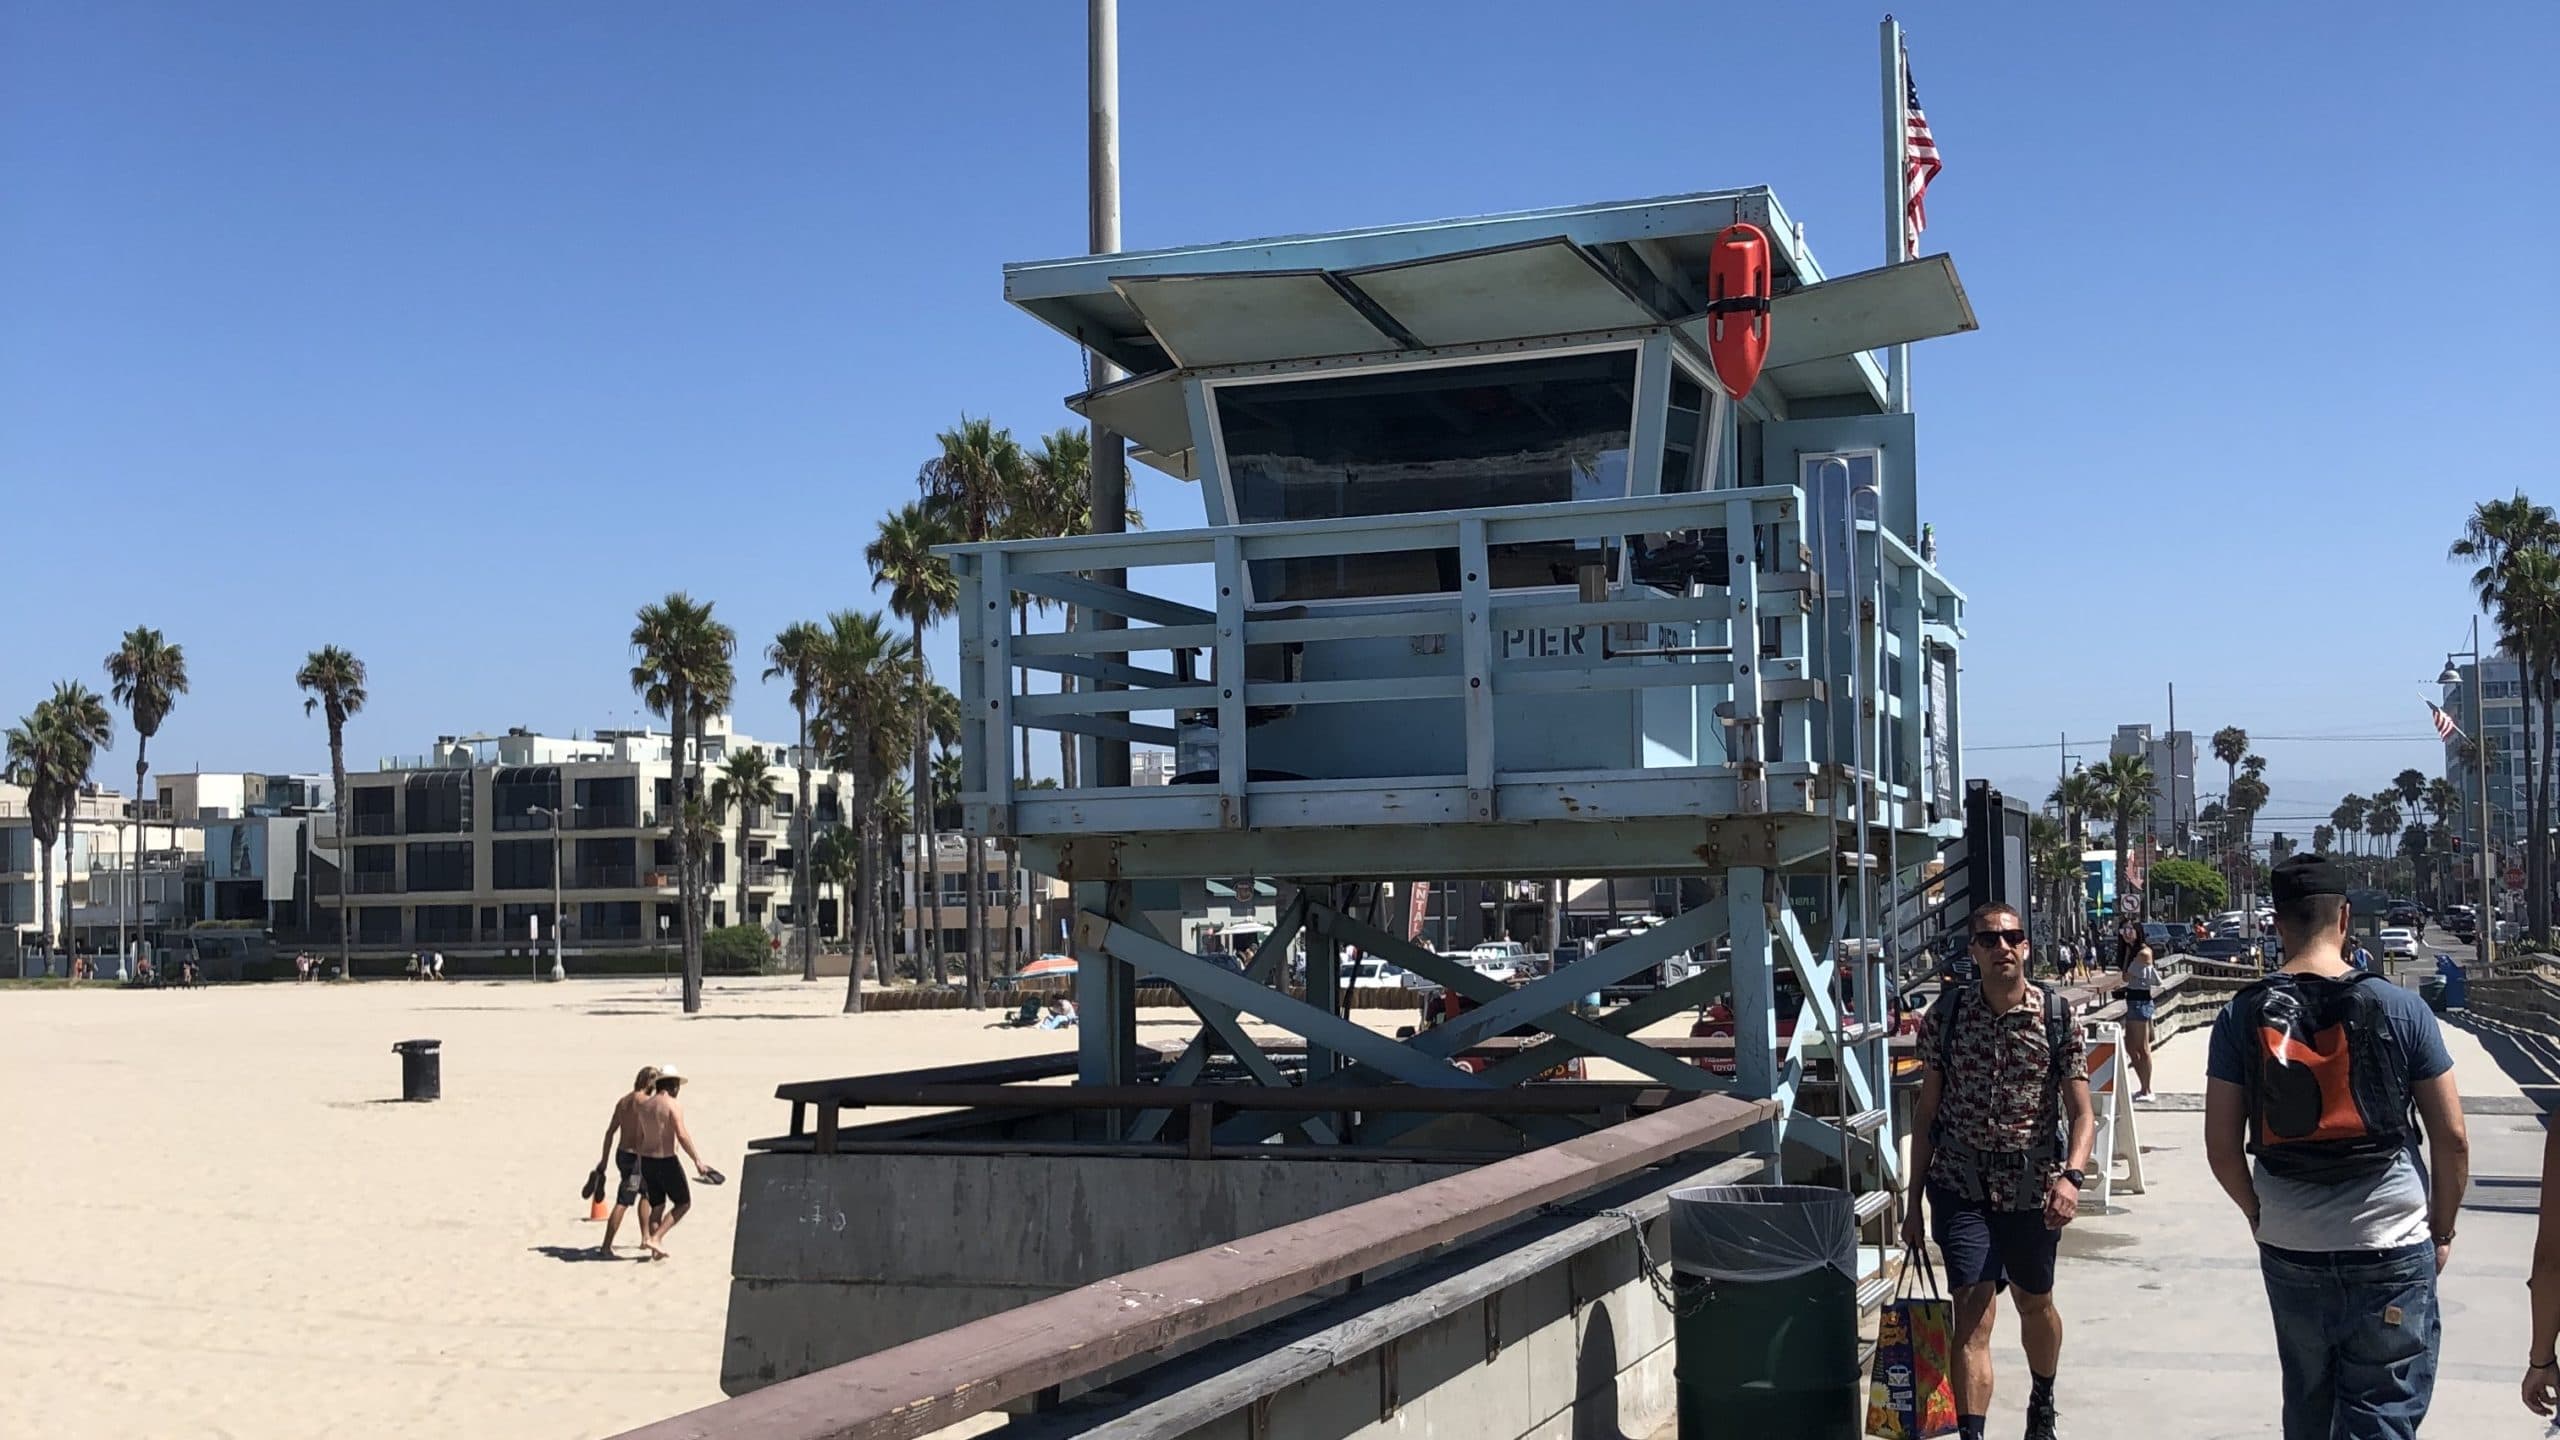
<point>1897,235</point>
<point>2488,944</point>
<point>1110,475</point>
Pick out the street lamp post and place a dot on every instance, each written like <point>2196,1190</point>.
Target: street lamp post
<point>559,911</point>
<point>2486,946</point>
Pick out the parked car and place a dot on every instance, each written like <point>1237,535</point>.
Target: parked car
<point>2230,949</point>
<point>2398,943</point>
<point>2405,914</point>
<point>1718,1020</point>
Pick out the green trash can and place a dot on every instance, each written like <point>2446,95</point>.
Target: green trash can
<point>1766,1328</point>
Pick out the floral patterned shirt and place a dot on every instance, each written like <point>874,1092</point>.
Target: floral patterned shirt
<point>1994,1098</point>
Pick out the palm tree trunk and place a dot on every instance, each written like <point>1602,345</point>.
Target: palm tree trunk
<point>44,916</point>
<point>1015,920</point>
<point>865,878</point>
<point>141,767</point>
<point>2121,826</point>
<point>678,703</point>
<point>338,808</point>
<point>804,900</point>
<point>974,961</point>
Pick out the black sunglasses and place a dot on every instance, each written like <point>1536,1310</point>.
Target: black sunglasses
<point>1999,937</point>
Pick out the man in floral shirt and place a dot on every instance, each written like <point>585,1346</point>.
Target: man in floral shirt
<point>2000,1141</point>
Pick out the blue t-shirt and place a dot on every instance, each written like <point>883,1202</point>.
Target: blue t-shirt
<point>2385,1212</point>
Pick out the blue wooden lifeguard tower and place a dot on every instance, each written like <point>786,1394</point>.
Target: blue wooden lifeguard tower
<point>1496,582</point>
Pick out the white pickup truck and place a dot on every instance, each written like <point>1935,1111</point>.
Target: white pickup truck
<point>1504,960</point>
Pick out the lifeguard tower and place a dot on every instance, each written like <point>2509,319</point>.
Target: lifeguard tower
<point>1496,581</point>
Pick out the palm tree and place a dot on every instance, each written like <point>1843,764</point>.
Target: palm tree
<point>2518,580</point>
<point>53,750</point>
<point>975,478</point>
<point>2077,798</point>
<point>2410,786</point>
<point>2349,818</point>
<point>922,590</point>
<point>2125,781</point>
<point>798,654</point>
<point>146,674</point>
<point>333,682</point>
<point>864,664</point>
<point>745,784</point>
<point>833,863</point>
<point>2382,819</point>
<point>2322,837</point>
<point>2529,628</point>
<point>2229,744</point>
<point>683,661</point>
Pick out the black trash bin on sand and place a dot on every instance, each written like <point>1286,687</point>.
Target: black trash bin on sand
<point>1767,1323</point>
<point>421,1069</point>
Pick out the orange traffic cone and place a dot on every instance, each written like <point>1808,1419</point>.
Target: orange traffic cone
<point>595,1208</point>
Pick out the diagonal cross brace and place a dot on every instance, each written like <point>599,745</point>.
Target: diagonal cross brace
<point>1546,995</point>
<point>1662,1004</point>
<point>1200,978</point>
<point>1220,1022</point>
<point>1564,1025</point>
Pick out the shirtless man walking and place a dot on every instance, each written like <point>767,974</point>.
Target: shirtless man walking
<point>658,1130</point>
<point>626,1160</point>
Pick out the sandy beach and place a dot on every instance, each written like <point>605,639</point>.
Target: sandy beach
<point>226,1224</point>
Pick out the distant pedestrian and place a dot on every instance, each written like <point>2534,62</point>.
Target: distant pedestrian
<point>626,1158</point>
<point>2329,1076</point>
<point>658,1123</point>
<point>2141,1004</point>
<point>437,959</point>
<point>2000,1142</point>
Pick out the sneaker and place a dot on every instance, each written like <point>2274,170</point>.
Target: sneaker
<point>2041,1417</point>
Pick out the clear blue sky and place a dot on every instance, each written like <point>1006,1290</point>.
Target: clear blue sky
<point>451,333</point>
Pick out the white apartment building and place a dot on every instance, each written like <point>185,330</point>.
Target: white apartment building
<point>456,849</point>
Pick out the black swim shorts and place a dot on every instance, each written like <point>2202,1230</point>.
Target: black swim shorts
<point>626,1163</point>
<point>663,1175</point>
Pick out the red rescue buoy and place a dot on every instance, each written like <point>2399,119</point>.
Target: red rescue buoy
<point>1738,306</point>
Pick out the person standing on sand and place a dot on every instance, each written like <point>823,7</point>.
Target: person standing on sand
<point>659,1129</point>
<point>626,1161</point>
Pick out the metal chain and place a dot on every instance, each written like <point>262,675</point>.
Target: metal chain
<point>1648,1268</point>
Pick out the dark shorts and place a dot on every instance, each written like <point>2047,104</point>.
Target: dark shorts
<point>1984,1246</point>
<point>663,1176</point>
<point>626,1163</point>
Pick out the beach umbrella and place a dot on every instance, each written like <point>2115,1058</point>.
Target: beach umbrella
<point>1048,965</point>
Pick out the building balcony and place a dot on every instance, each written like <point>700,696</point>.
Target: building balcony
<point>764,873</point>
<point>590,934</point>
<point>610,817</point>
<point>373,825</point>
<point>364,884</point>
<point>604,877</point>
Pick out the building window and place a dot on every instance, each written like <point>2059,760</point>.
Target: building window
<point>524,922</point>
<point>439,803</point>
<point>605,865</point>
<point>369,810</point>
<point>608,920</point>
<point>378,925</point>
<point>516,792</point>
<point>520,865</point>
<point>440,865</point>
<point>608,802</point>
<point>373,869</point>
<point>443,924</point>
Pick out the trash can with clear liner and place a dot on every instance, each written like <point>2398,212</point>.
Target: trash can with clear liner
<point>421,1069</point>
<point>1766,1330</point>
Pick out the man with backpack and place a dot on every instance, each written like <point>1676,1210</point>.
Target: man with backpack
<point>1999,1142</point>
<point>2329,1075</point>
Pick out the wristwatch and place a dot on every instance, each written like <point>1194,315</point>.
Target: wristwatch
<point>2079,1180</point>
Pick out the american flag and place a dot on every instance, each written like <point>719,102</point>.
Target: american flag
<point>2445,728</point>
<point>1920,163</point>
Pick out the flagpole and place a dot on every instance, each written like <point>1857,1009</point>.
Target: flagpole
<point>1897,236</point>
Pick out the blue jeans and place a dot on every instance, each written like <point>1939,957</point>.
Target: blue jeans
<point>2357,1332</point>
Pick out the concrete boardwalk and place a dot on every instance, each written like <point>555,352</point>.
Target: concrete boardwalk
<point>2169,1334</point>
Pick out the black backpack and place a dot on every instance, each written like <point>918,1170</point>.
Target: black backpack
<point>2329,1099</point>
